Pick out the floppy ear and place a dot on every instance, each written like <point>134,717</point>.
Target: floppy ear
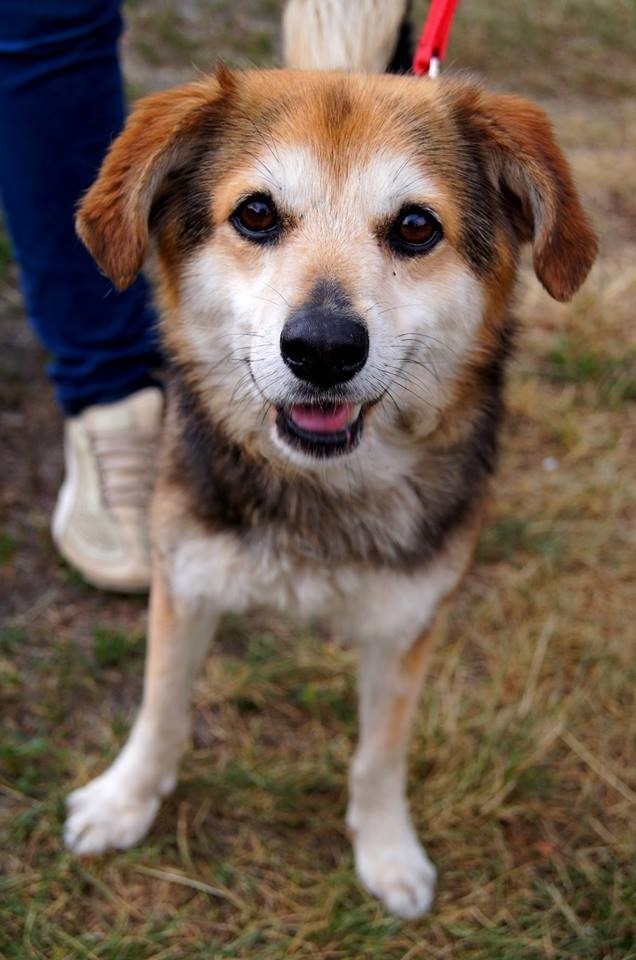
<point>160,136</point>
<point>527,166</point>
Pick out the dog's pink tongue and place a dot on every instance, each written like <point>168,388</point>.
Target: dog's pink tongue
<point>322,419</point>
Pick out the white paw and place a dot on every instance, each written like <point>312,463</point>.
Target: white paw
<point>110,811</point>
<point>398,872</point>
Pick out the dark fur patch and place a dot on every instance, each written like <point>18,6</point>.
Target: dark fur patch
<point>184,200</point>
<point>481,203</point>
<point>228,489</point>
<point>330,296</point>
<point>402,58</point>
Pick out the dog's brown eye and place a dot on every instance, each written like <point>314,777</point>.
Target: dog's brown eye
<point>257,219</point>
<point>415,230</point>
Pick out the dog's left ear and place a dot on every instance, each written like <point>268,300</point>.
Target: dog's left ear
<point>160,136</point>
<point>526,165</point>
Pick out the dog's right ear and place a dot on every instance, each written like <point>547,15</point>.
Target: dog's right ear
<point>160,136</point>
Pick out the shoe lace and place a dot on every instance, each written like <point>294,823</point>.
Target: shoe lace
<point>126,465</point>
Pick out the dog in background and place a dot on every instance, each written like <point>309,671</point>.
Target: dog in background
<point>336,257</point>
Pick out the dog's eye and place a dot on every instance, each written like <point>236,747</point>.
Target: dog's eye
<point>257,219</point>
<point>415,230</point>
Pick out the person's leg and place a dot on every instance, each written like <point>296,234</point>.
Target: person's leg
<point>61,104</point>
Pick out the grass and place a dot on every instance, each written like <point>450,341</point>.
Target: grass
<point>522,773</point>
<point>612,378</point>
<point>115,648</point>
<point>527,818</point>
<point>7,547</point>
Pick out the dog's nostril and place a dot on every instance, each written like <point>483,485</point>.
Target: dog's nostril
<point>324,349</point>
<point>353,354</point>
<point>294,349</point>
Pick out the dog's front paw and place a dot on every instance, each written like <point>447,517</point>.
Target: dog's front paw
<point>110,812</point>
<point>396,870</point>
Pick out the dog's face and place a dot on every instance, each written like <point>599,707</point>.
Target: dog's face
<point>336,252</point>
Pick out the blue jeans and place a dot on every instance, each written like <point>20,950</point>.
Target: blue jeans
<point>61,104</point>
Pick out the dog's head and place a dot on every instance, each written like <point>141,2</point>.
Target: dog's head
<point>336,252</point>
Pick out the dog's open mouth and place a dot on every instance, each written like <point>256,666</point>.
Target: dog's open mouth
<point>322,430</point>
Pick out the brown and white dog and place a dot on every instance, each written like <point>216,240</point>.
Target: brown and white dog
<point>336,257</point>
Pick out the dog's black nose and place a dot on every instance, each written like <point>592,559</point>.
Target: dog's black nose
<point>323,342</point>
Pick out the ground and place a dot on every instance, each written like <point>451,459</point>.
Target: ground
<point>522,772</point>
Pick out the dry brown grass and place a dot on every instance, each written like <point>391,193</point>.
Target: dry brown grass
<point>523,763</point>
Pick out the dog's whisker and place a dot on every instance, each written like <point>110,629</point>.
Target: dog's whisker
<point>401,381</point>
<point>278,293</point>
<point>256,296</point>
<point>266,173</point>
<point>424,338</point>
<point>413,361</point>
<point>389,394</point>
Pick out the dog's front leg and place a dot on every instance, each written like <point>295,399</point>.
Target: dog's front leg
<point>389,859</point>
<point>118,807</point>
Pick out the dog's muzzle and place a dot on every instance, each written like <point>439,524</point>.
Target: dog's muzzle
<point>325,344</point>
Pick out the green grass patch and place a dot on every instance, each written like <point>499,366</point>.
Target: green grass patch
<point>27,760</point>
<point>8,547</point>
<point>259,48</point>
<point>115,648</point>
<point>508,537</point>
<point>572,361</point>
<point>11,638</point>
<point>165,37</point>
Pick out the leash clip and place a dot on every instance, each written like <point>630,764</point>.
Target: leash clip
<point>434,67</point>
<point>434,39</point>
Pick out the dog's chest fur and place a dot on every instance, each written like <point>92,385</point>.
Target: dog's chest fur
<point>398,526</point>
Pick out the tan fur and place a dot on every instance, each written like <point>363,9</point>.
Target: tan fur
<point>414,661</point>
<point>413,666</point>
<point>376,540</point>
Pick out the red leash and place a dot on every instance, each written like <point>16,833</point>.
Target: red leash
<point>432,46</point>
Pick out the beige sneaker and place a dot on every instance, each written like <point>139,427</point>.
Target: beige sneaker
<point>100,523</point>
